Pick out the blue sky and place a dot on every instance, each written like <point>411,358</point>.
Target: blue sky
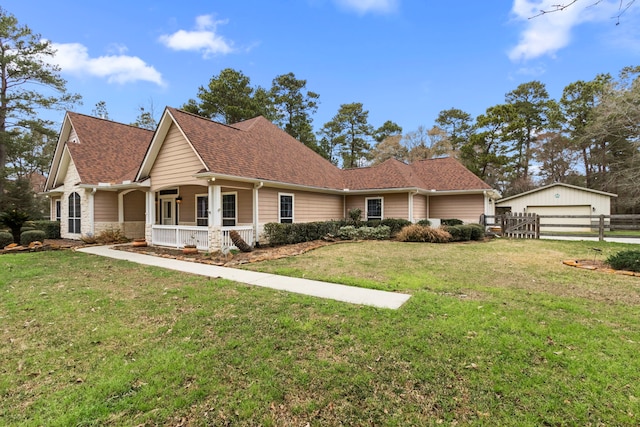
<point>405,60</point>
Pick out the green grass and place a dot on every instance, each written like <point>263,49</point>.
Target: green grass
<point>497,333</point>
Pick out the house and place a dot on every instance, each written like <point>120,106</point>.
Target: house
<point>193,180</point>
<point>560,199</point>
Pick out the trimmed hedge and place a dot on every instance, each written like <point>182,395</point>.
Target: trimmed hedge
<point>32,236</point>
<point>50,228</point>
<point>451,221</point>
<point>465,232</point>
<point>424,223</point>
<point>625,260</point>
<point>5,239</point>
<point>286,234</point>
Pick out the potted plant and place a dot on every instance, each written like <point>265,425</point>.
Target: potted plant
<point>191,247</point>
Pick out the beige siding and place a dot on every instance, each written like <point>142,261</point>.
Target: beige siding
<point>467,208</point>
<point>134,206</point>
<point>105,206</point>
<point>419,207</point>
<point>244,203</point>
<point>307,206</point>
<point>176,163</point>
<point>268,205</point>
<point>187,209</point>
<point>396,206</point>
<point>354,202</point>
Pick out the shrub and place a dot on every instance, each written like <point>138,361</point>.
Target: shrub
<point>32,236</point>
<point>625,260</point>
<point>5,239</point>
<point>424,223</point>
<point>350,232</point>
<point>395,224</point>
<point>421,233</point>
<point>14,219</point>
<point>451,221</point>
<point>50,228</point>
<point>284,234</point>
<point>477,231</point>
<point>355,215</point>
<point>111,235</point>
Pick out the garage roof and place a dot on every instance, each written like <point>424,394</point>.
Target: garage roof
<point>555,184</point>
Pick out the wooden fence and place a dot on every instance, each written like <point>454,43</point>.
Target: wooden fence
<point>532,226</point>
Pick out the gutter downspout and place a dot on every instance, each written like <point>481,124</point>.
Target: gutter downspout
<point>411,196</point>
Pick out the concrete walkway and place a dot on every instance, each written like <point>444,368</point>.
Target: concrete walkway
<point>314,288</point>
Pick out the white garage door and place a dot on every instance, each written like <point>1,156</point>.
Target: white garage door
<point>582,224</point>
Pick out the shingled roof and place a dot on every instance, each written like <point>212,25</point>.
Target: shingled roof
<point>110,152</point>
<point>256,149</point>
<point>106,151</point>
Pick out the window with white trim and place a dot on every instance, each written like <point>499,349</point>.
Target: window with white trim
<point>202,210</point>
<point>285,208</point>
<point>374,208</point>
<point>74,213</point>
<point>229,209</point>
<point>58,210</point>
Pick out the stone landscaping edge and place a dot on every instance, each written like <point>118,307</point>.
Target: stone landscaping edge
<point>586,266</point>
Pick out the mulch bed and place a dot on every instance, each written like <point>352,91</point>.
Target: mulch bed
<point>217,258</point>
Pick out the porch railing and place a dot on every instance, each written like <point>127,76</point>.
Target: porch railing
<point>245,231</point>
<point>178,236</point>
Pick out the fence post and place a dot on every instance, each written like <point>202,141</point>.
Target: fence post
<point>537,226</point>
<point>601,229</point>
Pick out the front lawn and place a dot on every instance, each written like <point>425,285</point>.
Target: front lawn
<point>497,333</point>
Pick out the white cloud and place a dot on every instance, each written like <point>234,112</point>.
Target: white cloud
<point>203,39</point>
<point>365,6</point>
<point>547,33</point>
<point>74,58</point>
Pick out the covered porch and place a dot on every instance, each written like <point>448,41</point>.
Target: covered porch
<point>202,215</point>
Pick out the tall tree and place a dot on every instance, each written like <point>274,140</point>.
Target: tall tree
<point>615,127</point>
<point>577,104</point>
<point>556,157</point>
<point>389,148</point>
<point>145,120</point>
<point>27,81</point>
<point>350,131</point>
<point>100,110</point>
<point>229,98</point>
<point>488,152</point>
<point>387,129</point>
<point>458,126</point>
<point>531,102</point>
<point>294,107</point>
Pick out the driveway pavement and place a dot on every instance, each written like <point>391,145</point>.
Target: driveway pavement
<point>350,294</point>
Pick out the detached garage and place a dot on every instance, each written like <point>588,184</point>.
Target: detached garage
<point>560,199</point>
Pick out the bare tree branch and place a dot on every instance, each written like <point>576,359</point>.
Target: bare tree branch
<point>623,6</point>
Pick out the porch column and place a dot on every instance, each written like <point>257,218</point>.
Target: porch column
<point>256,211</point>
<point>214,196</point>
<point>150,215</point>
<point>410,217</point>
<point>215,205</point>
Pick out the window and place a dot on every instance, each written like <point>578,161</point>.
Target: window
<point>374,208</point>
<point>202,211</point>
<point>74,213</point>
<point>286,208</point>
<point>228,209</point>
<point>58,210</point>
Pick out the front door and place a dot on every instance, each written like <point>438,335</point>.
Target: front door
<point>167,212</point>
